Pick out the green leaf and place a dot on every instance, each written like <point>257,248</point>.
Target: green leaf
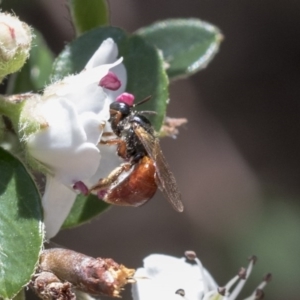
<point>188,45</point>
<point>20,295</point>
<point>84,209</point>
<point>21,229</point>
<point>36,72</point>
<point>89,14</point>
<point>146,76</point>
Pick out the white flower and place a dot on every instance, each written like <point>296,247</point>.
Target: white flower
<point>166,277</point>
<point>74,112</point>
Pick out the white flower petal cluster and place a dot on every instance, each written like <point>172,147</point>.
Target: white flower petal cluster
<point>163,277</point>
<point>166,277</point>
<point>74,112</point>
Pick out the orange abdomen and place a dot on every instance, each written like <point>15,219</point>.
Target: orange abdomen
<point>137,188</point>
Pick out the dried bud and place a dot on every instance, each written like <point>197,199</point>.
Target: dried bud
<point>170,127</point>
<point>47,286</point>
<point>180,292</point>
<point>190,255</point>
<point>268,277</point>
<point>15,43</point>
<point>242,273</point>
<point>95,276</point>
<point>222,290</point>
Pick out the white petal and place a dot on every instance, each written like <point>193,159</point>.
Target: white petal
<point>212,285</point>
<point>74,84</point>
<point>166,275</point>
<point>63,146</point>
<point>93,126</point>
<point>92,98</point>
<point>63,129</point>
<point>107,53</point>
<point>144,289</point>
<point>104,112</point>
<point>110,160</point>
<point>157,264</point>
<point>57,203</point>
<point>78,165</point>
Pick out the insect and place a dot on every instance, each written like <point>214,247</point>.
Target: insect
<point>135,181</point>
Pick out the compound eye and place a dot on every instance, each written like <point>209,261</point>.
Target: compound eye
<point>121,107</point>
<point>115,106</point>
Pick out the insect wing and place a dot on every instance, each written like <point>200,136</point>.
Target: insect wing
<point>166,179</point>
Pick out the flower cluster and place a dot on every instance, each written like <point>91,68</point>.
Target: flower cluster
<point>74,114</point>
<point>167,277</point>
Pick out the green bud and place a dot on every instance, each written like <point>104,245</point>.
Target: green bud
<point>15,43</point>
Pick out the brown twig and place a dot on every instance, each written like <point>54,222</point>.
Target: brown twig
<point>95,276</point>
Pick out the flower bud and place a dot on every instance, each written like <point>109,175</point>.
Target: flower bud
<point>15,43</point>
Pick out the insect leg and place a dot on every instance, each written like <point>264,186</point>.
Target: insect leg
<point>110,142</point>
<point>106,182</point>
<point>122,147</point>
<point>106,134</point>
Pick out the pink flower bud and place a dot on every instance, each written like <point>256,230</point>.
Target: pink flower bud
<point>110,81</point>
<point>126,98</point>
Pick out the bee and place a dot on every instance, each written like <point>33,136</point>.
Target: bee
<point>145,169</point>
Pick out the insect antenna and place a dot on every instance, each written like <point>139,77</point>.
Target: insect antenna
<point>148,112</point>
<point>143,101</point>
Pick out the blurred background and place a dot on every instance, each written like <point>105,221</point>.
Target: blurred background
<point>237,161</point>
